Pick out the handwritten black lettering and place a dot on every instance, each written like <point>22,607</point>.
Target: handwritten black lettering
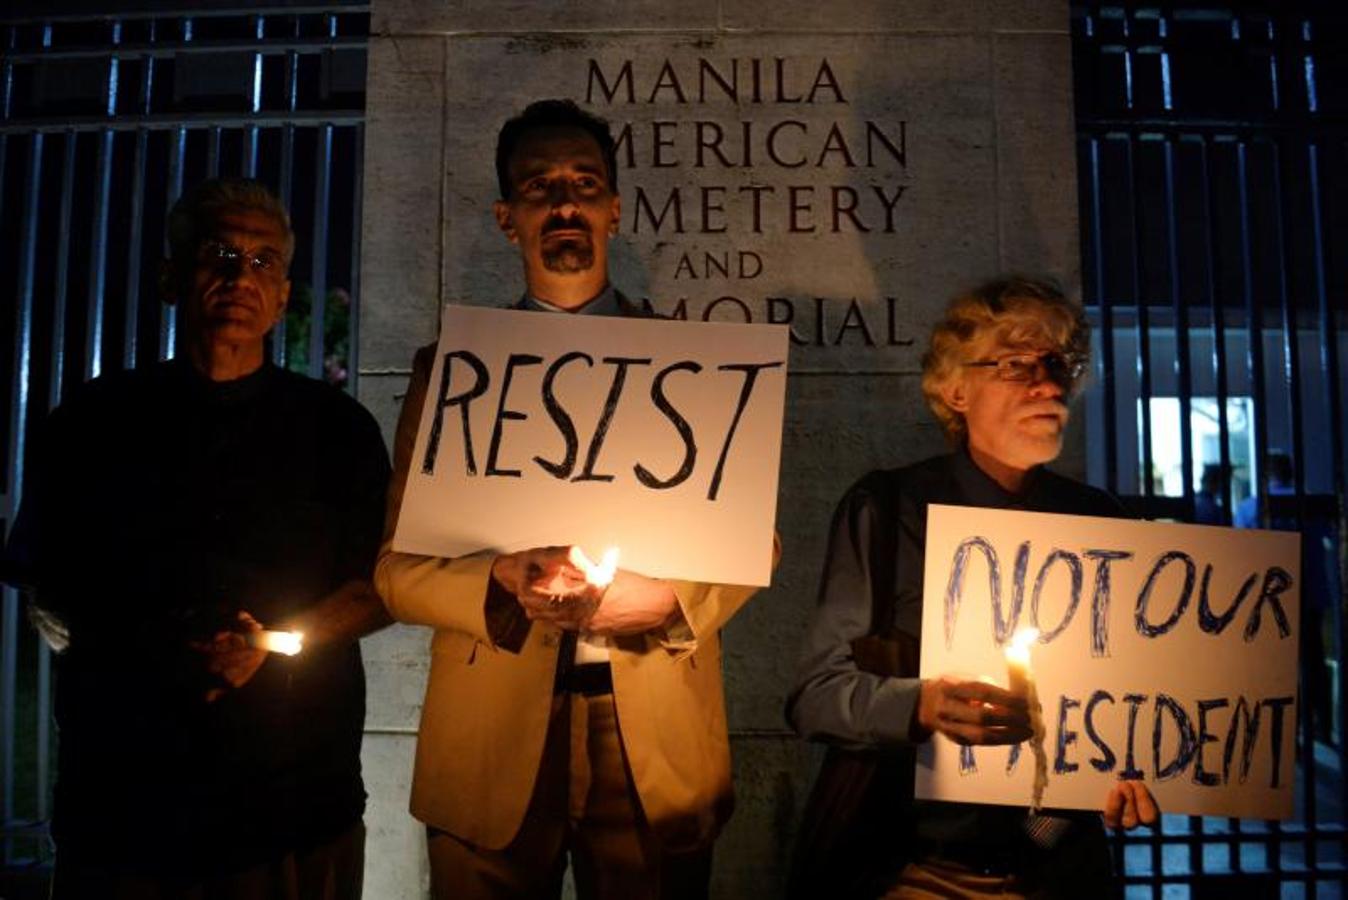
<point>502,414</point>
<point>462,400</point>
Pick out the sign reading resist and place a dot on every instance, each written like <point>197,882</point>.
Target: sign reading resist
<point>1166,653</point>
<point>658,437</point>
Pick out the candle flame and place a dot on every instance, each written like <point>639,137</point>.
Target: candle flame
<point>598,574</point>
<point>1018,651</point>
<point>287,643</point>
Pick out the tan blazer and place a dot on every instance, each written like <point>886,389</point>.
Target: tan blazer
<point>486,712</point>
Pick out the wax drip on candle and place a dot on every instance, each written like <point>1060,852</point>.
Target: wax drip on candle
<point>1020,681</point>
<point>598,574</point>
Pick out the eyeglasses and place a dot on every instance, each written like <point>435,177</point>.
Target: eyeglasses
<point>263,262</point>
<point>1065,369</point>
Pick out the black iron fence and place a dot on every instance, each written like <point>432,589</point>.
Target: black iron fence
<point>1212,152</point>
<point>103,120</point>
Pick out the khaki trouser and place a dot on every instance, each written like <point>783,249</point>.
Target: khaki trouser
<point>584,802</point>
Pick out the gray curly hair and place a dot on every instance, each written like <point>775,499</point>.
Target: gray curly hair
<point>1015,311</point>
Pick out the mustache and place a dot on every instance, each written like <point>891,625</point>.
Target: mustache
<point>565,223</point>
<point>1047,408</point>
<point>234,291</point>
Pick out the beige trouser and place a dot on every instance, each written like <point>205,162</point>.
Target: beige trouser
<point>584,802</point>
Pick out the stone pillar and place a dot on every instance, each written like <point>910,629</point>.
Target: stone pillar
<point>840,167</point>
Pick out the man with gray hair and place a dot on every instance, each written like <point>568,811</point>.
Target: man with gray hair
<point>1002,366</point>
<point>172,513</point>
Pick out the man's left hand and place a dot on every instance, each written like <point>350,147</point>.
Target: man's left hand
<point>632,604</point>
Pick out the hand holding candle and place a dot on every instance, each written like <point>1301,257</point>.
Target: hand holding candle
<point>231,656</point>
<point>287,643</point>
<point>1021,682</point>
<point>547,585</point>
<point>970,711</point>
<point>599,575</point>
<point>629,603</point>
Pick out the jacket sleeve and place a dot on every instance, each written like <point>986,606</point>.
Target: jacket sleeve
<point>427,590</point>
<point>833,700</point>
<point>705,608</point>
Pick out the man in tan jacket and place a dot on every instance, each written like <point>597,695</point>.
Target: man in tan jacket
<point>560,717</point>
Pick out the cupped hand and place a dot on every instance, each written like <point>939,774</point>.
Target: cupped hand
<point>972,712</point>
<point>547,586</point>
<point>632,604</point>
<point>229,658</point>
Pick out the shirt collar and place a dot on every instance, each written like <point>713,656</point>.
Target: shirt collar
<point>226,393</point>
<point>980,489</point>
<point>605,303</point>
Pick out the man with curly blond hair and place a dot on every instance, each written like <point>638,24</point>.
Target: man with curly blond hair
<point>1002,366</point>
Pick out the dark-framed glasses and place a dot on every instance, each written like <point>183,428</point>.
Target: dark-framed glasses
<point>1065,369</point>
<point>261,262</point>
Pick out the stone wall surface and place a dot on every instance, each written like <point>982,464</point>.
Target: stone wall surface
<point>840,167</point>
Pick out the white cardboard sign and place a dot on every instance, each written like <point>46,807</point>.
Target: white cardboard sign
<point>1167,653</point>
<point>661,438</point>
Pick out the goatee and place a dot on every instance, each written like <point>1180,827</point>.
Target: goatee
<point>569,256</point>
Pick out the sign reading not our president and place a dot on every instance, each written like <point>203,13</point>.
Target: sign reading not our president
<point>658,437</point>
<point>1166,653</point>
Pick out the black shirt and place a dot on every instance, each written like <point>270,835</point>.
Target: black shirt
<point>162,504</point>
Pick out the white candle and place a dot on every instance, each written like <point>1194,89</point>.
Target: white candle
<point>1020,681</point>
<point>598,574</point>
<point>286,642</point>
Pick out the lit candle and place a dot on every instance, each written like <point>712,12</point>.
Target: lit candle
<point>286,642</point>
<point>599,574</point>
<point>1021,682</point>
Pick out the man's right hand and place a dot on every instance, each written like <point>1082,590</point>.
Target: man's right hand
<point>548,587</point>
<point>228,658</point>
<point>972,712</point>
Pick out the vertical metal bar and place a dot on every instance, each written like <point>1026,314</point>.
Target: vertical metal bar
<point>1143,321</point>
<point>250,133</point>
<point>1254,325</point>
<point>9,598</point>
<point>1184,381</point>
<point>98,257</point>
<point>1181,312</point>
<point>1292,383</point>
<point>1106,304</point>
<point>278,335</point>
<point>213,152</point>
<point>1218,314</point>
<point>7,72</point>
<point>56,357</point>
<point>59,307</point>
<point>357,201</point>
<point>1254,342</point>
<point>168,325</point>
<point>1329,365</point>
<point>130,333</point>
<point>18,421</point>
<point>1218,333</point>
<point>114,63</point>
<point>319,271</point>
